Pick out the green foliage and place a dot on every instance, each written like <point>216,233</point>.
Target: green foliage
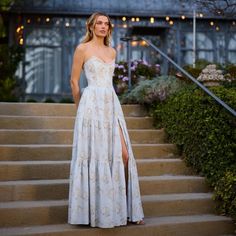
<point>195,72</point>
<point>139,69</point>
<point>49,100</point>
<point>11,87</point>
<point>4,6</point>
<point>231,70</point>
<point>206,134</point>
<point>152,91</point>
<point>31,100</point>
<point>225,190</point>
<point>66,100</point>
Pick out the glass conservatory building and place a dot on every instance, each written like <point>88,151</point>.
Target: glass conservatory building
<point>49,30</point>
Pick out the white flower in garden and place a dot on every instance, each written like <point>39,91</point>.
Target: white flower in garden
<point>210,73</point>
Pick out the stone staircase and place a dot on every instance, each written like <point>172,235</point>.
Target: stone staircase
<point>35,153</point>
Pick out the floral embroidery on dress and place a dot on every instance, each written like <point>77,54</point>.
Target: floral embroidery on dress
<point>97,194</point>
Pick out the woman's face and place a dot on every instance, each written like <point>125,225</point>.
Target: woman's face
<point>101,27</point>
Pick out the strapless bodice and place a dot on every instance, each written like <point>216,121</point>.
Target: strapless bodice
<point>98,72</point>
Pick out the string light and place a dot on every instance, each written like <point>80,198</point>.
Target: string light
<point>217,28</point>
<point>124,25</point>
<point>134,43</point>
<point>28,21</point>
<point>152,20</point>
<point>183,17</point>
<point>21,41</point>
<point>167,18</point>
<point>18,29</point>
<point>143,43</point>
<point>211,23</point>
<point>123,18</point>
<point>201,15</point>
<point>137,19</point>
<point>233,23</point>
<point>132,19</point>
<point>67,24</point>
<point>171,22</point>
<point>47,19</point>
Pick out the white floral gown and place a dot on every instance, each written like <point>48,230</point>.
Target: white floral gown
<point>97,194</point>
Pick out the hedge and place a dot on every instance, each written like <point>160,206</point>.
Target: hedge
<point>205,133</point>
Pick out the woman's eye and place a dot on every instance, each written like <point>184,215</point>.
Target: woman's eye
<point>100,23</point>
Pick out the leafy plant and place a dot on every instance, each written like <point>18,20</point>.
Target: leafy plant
<point>11,87</point>
<point>206,133</point>
<point>49,100</point>
<point>139,69</point>
<point>66,100</point>
<point>152,91</point>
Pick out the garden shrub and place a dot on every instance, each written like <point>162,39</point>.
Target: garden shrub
<point>66,100</point>
<point>49,100</point>
<point>152,91</point>
<point>206,133</point>
<point>11,87</point>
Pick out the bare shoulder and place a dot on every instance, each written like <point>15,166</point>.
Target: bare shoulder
<point>112,52</point>
<point>81,48</point>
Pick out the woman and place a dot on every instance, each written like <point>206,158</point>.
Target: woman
<point>104,188</point>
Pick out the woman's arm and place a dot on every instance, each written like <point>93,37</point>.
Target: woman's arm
<point>78,61</point>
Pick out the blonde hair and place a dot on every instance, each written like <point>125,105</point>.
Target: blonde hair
<point>90,23</point>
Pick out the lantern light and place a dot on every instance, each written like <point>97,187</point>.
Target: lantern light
<point>152,20</point>
<point>18,29</point>
<point>143,43</point>
<point>123,18</point>
<point>21,41</point>
<point>134,43</point>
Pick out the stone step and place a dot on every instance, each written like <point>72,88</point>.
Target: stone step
<point>30,190</point>
<point>61,136</point>
<point>60,122</point>
<point>26,213</point>
<point>32,170</point>
<point>63,152</point>
<point>57,109</point>
<point>193,225</point>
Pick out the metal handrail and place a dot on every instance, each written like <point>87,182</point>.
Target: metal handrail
<point>222,103</point>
